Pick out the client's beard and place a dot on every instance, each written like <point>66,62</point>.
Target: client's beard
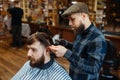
<point>80,29</point>
<point>38,63</point>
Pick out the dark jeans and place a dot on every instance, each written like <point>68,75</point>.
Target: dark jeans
<point>16,36</point>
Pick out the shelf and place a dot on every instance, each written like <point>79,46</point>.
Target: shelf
<point>112,11</point>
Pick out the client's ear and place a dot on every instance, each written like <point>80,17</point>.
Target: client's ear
<point>47,49</point>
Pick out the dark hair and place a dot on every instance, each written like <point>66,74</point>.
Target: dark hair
<point>16,2</point>
<point>42,37</point>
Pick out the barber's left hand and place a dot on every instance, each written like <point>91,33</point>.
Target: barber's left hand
<point>59,50</point>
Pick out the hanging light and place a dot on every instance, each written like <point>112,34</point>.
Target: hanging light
<point>12,0</point>
<point>74,2</point>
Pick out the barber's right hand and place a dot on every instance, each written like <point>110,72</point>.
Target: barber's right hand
<point>59,50</point>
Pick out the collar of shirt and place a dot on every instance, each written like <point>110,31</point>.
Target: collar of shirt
<point>87,30</point>
<point>47,65</point>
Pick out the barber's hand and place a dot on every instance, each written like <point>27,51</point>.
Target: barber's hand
<point>59,51</point>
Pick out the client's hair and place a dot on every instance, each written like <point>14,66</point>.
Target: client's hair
<point>42,37</point>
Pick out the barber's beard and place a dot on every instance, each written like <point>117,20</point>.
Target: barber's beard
<point>37,63</point>
<point>80,29</point>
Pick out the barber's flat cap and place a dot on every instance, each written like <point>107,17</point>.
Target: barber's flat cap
<point>79,7</point>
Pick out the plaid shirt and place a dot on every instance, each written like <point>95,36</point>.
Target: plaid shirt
<point>86,54</point>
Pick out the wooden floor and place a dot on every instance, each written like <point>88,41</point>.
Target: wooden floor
<point>11,59</point>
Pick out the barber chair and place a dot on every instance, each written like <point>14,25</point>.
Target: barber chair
<point>110,63</point>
